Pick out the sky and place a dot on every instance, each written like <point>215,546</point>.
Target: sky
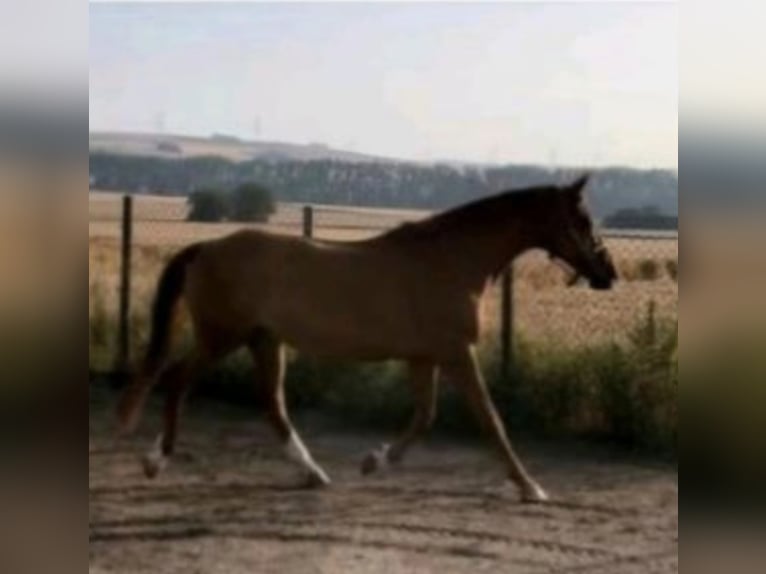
<point>555,84</point>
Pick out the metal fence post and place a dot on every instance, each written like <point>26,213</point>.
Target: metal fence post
<point>506,321</point>
<point>123,333</point>
<point>308,221</point>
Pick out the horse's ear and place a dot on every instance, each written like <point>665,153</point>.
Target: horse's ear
<point>576,189</point>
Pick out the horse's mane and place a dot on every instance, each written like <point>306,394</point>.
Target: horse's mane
<point>470,217</point>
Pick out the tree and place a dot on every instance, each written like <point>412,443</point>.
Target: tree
<point>647,217</point>
<point>208,205</point>
<point>251,202</point>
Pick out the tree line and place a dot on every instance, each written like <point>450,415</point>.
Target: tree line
<point>647,217</point>
<point>376,184</point>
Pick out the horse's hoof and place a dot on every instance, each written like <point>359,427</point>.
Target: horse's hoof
<point>153,465</point>
<point>316,480</point>
<point>375,461</point>
<point>534,494</point>
<point>154,461</point>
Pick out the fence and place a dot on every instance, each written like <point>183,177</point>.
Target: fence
<point>132,237</point>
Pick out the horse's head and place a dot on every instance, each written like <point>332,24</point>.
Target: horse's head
<point>575,240</point>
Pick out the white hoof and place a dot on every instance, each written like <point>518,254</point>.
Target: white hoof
<point>153,466</point>
<point>318,479</point>
<point>298,453</point>
<point>154,461</point>
<point>533,493</point>
<point>377,460</point>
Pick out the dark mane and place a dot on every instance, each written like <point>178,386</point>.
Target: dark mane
<point>471,217</point>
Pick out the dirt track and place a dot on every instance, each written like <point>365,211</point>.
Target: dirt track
<point>229,503</point>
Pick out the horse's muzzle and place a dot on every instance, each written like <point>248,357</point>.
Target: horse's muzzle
<point>601,284</point>
<point>604,273</point>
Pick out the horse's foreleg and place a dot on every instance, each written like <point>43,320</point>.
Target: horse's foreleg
<point>423,377</point>
<point>268,354</point>
<point>464,371</point>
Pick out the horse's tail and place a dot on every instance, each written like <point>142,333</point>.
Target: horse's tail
<point>169,293</point>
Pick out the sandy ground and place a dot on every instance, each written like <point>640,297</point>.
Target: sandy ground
<point>230,503</point>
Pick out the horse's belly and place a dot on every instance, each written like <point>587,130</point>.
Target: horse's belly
<point>360,349</point>
<point>346,326</point>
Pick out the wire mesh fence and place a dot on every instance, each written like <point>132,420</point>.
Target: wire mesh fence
<point>543,307</point>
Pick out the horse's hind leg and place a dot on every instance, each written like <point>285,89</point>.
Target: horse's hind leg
<point>464,371</point>
<point>423,378</point>
<point>269,357</point>
<point>177,379</point>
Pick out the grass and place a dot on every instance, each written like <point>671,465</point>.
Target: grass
<point>102,330</point>
<point>626,394</point>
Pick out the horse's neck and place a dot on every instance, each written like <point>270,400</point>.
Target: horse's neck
<point>485,251</point>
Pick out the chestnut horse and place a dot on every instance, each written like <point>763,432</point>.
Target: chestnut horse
<point>410,294</point>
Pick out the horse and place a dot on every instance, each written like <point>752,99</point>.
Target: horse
<point>410,294</point>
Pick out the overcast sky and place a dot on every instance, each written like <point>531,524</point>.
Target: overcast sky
<point>562,84</point>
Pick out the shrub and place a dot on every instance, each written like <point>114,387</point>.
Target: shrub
<point>251,202</point>
<point>247,203</point>
<point>208,206</point>
<point>650,419</point>
<point>626,394</point>
<point>671,266</point>
<point>101,328</point>
<point>648,270</point>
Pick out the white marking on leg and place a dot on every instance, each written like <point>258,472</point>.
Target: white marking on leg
<point>377,460</point>
<point>298,453</point>
<point>380,455</point>
<point>154,460</point>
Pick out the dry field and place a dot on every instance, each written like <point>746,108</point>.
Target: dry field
<point>544,307</point>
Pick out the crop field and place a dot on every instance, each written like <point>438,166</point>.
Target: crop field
<point>544,307</point>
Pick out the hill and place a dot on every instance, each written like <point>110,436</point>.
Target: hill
<point>219,145</point>
<point>322,175</point>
